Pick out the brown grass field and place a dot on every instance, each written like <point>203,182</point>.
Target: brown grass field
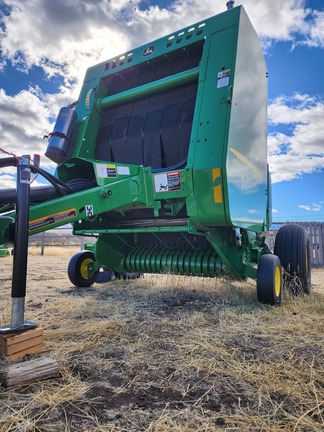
<point>167,353</point>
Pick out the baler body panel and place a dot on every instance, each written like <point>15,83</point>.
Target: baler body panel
<point>194,100</point>
<point>246,164</point>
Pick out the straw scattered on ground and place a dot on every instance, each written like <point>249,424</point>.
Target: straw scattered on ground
<point>167,353</point>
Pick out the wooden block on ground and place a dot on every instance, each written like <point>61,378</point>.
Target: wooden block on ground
<point>15,345</point>
<point>28,372</point>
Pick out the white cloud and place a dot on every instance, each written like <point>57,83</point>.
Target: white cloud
<point>253,211</point>
<point>312,207</point>
<point>302,150</point>
<point>7,181</point>
<point>24,122</point>
<point>66,36</point>
<point>314,30</point>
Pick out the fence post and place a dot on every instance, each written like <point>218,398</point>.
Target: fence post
<point>43,243</point>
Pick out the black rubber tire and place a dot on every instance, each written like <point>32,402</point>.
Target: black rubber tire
<point>77,269</point>
<point>269,280</point>
<point>292,247</point>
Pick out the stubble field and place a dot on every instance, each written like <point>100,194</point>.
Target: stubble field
<point>167,353</point>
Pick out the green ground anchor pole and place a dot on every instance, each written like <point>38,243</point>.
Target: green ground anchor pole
<point>19,274</point>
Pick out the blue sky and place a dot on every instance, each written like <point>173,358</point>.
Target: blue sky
<point>46,46</point>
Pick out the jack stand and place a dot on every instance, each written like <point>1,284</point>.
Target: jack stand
<point>18,291</point>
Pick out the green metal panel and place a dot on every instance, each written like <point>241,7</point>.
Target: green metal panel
<point>148,89</point>
<point>246,164</point>
<point>4,251</point>
<point>207,206</point>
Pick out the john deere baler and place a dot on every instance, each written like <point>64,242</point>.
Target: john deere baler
<point>164,160</point>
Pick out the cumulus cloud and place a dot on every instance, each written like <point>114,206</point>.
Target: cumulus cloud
<point>312,207</point>
<point>24,121</point>
<point>7,181</point>
<point>65,36</point>
<point>302,150</point>
<point>314,29</point>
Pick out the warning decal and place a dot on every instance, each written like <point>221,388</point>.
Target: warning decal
<point>167,182</point>
<point>105,171</point>
<point>111,171</point>
<point>52,219</point>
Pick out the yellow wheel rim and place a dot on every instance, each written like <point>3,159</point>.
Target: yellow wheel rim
<point>84,268</point>
<point>277,282</point>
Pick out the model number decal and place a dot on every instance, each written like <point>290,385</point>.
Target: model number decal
<point>52,219</point>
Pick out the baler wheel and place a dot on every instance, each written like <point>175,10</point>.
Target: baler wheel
<point>79,269</point>
<point>292,247</point>
<point>269,280</point>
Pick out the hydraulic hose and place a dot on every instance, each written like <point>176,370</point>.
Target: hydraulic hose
<point>46,192</point>
<point>171,168</point>
<point>9,161</point>
<point>60,186</point>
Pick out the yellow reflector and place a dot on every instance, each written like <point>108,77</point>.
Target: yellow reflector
<point>218,197</point>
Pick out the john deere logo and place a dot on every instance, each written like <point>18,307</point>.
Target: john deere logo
<point>148,51</point>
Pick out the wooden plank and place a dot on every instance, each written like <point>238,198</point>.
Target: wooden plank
<point>321,244</point>
<point>14,338</point>
<point>15,348</point>
<point>29,350</point>
<point>311,245</point>
<point>28,372</point>
<point>15,345</point>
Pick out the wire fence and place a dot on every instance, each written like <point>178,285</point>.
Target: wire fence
<point>58,237</point>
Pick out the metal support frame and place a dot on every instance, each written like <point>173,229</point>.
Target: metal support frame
<point>19,273</point>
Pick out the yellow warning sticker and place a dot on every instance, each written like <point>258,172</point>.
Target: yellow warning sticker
<point>52,219</point>
<point>106,170</point>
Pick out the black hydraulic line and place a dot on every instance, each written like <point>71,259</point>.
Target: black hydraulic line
<point>37,194</point>
<point>60,186</point>
<point>44,193</point>
<point>78,184</point>
<point>6,162</point>
<point>36,168</point>
<point>171,168</point>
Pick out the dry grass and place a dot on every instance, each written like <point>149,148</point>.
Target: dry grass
<point>167,353</point>
<point>54,250</point>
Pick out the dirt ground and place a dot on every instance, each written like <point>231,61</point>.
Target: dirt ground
<point>167,353</point>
